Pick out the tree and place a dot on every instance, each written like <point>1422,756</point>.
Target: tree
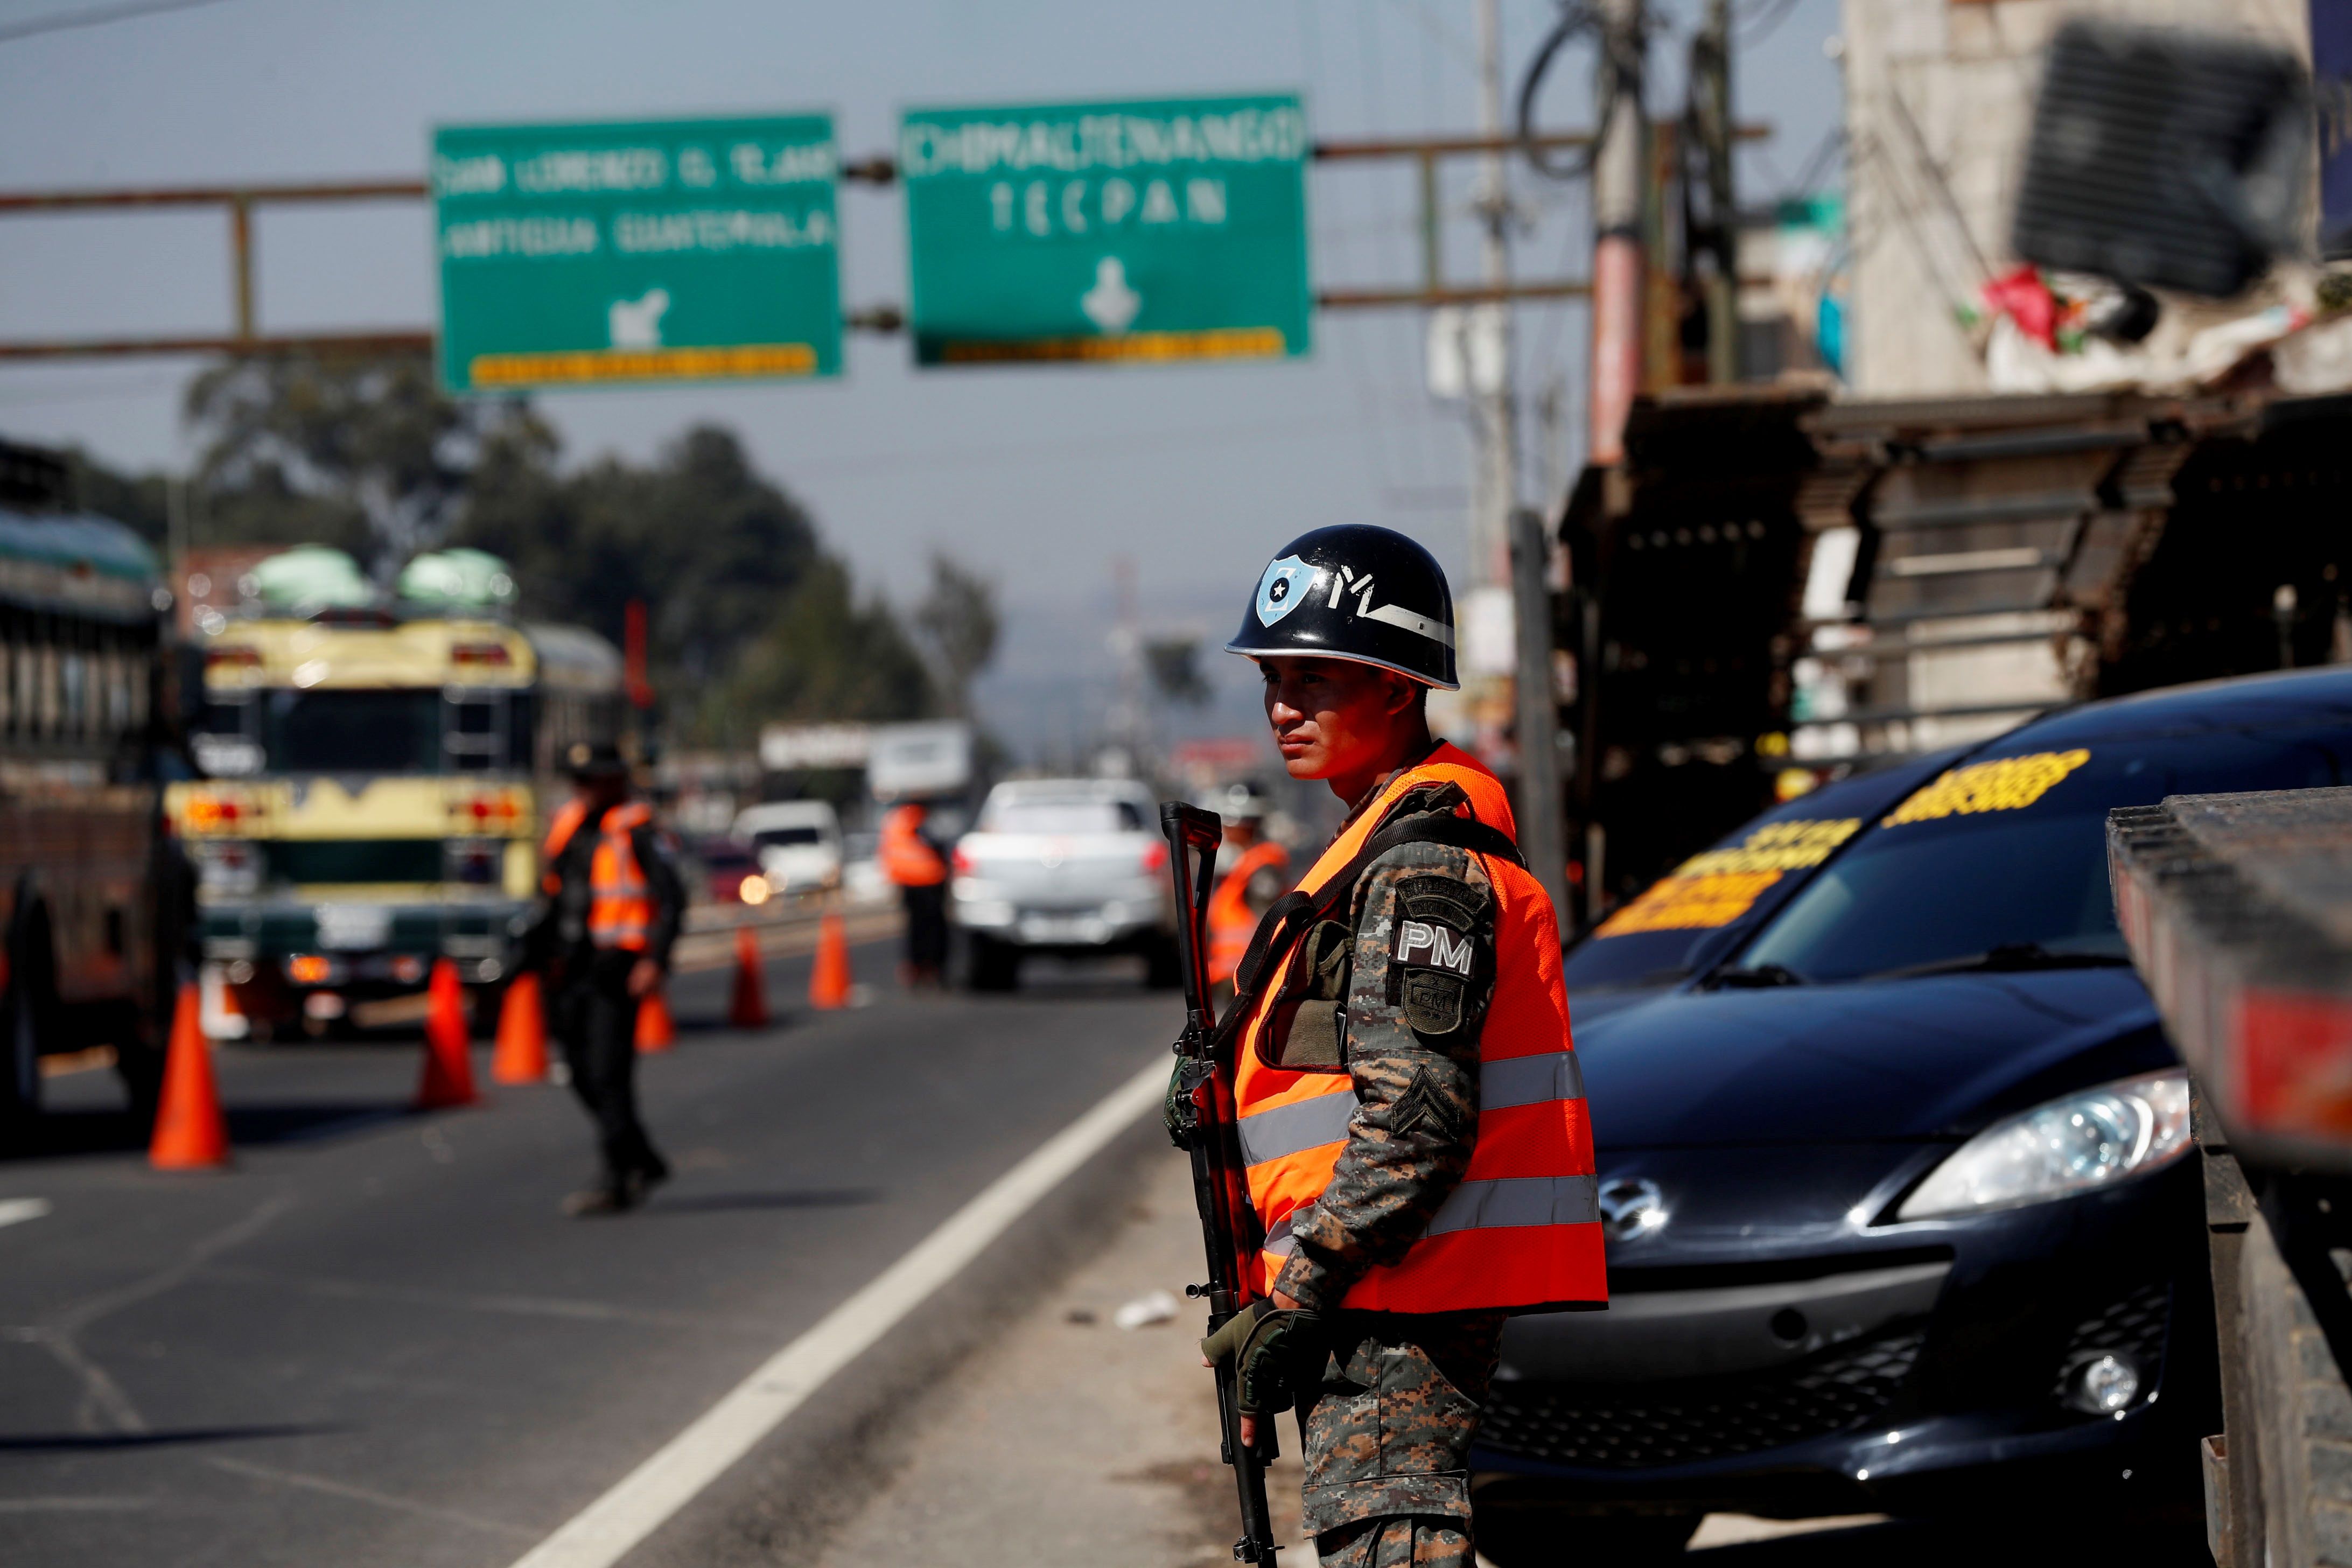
<point>750,617</point>
<point>958,624</point>
<point>365,454</point>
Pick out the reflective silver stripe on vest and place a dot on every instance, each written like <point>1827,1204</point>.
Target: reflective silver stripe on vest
<point>1529,1080</point>
<point>1519,1201</point>
<point>1515,1201</point>
<point>1302,1124</point>
<point>1305,1124</point>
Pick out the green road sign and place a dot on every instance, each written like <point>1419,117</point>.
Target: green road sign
<point>602,254</point>
<point>1173,229</point>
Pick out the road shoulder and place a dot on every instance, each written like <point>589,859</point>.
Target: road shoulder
<point>1067,1441</point>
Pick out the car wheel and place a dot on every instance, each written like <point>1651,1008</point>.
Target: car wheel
<point>1549,1538</point>
<point>992,965</point>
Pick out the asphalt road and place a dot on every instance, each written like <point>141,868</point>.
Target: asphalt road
<point>377,1341</point>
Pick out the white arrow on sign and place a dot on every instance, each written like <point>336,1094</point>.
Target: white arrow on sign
<point>1110,304</point>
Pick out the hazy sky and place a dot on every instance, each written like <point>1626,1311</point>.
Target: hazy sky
<point>1039,476</point>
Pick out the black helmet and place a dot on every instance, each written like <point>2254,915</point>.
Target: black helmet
<point>1355,592</point>
<point>591,759</point>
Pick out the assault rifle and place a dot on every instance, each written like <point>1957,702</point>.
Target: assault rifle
<point>1227,1222</point>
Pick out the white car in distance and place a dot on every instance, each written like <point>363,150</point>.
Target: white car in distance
<point>1069,867</point>
<point>797,843</point>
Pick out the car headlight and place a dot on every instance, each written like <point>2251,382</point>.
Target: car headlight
<point>2091,1138</point>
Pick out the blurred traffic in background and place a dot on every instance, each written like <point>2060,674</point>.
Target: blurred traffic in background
<point>1890,460</point>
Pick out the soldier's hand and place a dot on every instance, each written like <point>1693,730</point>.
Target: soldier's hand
<point>1176,1111</point>
<point>645,978</point>
<point>1276,1348</point>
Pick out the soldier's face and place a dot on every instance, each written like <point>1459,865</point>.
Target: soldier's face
<point>1333,718</point>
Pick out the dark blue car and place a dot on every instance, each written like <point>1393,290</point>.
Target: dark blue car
<point>1710,903</point>
<point>1901,1213</point>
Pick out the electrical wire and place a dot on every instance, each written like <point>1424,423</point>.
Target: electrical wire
<point>1766,20</point>
<point>96,16</point>
<point>1575,18</point>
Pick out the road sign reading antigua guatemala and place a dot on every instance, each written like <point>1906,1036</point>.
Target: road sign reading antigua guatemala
<point>629,253</point>
<point>1172,229</point>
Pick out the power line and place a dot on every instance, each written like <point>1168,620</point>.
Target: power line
<point>96,16</point>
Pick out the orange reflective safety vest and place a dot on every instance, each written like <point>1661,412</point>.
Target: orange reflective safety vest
<point>619,899</point>
<point>1230,919</point>
<point>568,818</point>
<point>1522,1230</point>
<point>908,859</point>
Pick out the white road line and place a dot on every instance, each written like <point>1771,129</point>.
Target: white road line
<point>16,1211</point>
<point>601,1533</point>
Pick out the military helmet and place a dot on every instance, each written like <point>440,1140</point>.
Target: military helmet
<point>1355,592</point>
<point>1239,803</point>
<point>591,759</point>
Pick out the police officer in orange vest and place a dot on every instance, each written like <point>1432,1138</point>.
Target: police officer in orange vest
<point>914,861</point>
<point>1253,870</point>
<point>613,910</point>
<point>1410,1110</point>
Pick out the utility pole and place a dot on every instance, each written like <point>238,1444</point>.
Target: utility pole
<point>1543,835</point>
<point>1496,494</point>
<point>1711,94</point>
<point>1619,170</point>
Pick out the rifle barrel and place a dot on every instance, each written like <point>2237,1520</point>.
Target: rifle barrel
<point>1193,835</point>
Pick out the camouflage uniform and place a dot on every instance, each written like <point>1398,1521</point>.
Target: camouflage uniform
<point>1387,1436</point>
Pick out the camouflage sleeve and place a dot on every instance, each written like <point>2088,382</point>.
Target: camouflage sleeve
<point>1423,969</point>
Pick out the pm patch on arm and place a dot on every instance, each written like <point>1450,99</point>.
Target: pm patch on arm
<point>1438,960</point>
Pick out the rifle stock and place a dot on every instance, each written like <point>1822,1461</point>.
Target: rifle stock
<point>1228,1224</point>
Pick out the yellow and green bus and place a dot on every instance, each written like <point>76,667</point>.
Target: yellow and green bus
<point>379,769</point>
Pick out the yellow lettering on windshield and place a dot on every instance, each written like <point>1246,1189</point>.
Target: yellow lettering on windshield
<point>1689,903</point>
<point>2006,784</point>
<point>1793,846</point>
<point>1717,887</point>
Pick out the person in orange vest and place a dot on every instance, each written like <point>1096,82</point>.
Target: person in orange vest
<point>613,907</point>
<point>1252,872</point>
<point>916,862</point>
<point>1411,1115</point>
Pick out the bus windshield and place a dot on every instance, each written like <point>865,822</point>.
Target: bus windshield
<point>364,731</point>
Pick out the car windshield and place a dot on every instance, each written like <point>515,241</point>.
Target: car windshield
<point>1655,938</point>
<point>1071,813</point>
<point>2001,863</point>
<point>778,837</point>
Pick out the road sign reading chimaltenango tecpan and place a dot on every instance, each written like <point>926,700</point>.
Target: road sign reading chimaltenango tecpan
<point>1173,229</point>
<point>595,254</point>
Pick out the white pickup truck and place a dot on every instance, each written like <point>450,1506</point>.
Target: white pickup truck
<point>1071,867</point>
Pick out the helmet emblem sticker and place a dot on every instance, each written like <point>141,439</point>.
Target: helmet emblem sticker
<point>1286,583</point>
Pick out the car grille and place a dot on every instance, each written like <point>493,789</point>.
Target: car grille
<point>2134,1324</point>
<point>1649,1425</point>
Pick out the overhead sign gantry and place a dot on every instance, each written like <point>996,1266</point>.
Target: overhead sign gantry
<point>1143,231</point>
<point>670,251</point>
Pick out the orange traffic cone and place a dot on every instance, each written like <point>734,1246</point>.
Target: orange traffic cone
<point>448,1078</point>
<point>749,1010</point>
<point>521,1053</point>
<point>657,1030</point>
<point>190,1134</point>
<point>829,977</point>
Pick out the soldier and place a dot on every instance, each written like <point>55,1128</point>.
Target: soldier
<point>1409,1111</point>
<point>914,860</point>
<point>613,908</point>
<point>1252,871</point>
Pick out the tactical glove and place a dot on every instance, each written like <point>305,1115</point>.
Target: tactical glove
<point>1176,1111</point>
<point>1277,1353</point>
